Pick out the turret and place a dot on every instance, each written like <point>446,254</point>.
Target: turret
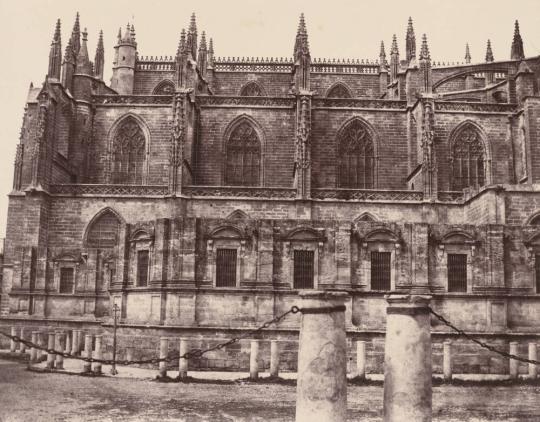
<point>124,66</point>
<point>99,61</point>
<point>410,42</point>
<point>517,52</point>
<point>55,54</point>
<point>302,58</point>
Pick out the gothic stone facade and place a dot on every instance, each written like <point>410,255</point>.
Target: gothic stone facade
<point>201,194</point>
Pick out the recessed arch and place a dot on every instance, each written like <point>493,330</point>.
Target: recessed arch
<point>227,231</point>
<point>243,152</point>
<point>458,237</point>
<point>237,215</point>
<point>338,90</point>
<point>382,235</point>
<point>128,149</point>
<point>164,87</point>
<point>365,217</point>
<point>304,233</point>
<point>356,152</point>
<point>103,230</point>
<point>469,156</point>
<point>252,89</point>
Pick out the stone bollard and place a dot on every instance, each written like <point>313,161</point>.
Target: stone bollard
<point>13,343</point>
<point>533,354</point>
<point>514,364</point>
<point>407,360</point>
<point>163,351</point>
<point>87,366</point>
<point>447,360</point>
<point>33,350</point>
<point>254,360</point>
<point>182,363</point>
<point>274,358</point>
<point>59,347</point>
<point>22,346</point>
<point>98,354</point>
<point>68,343</point>
<point>361,359</point>
<point>50,345</point>
<point>321,392</point>
<point>74,341</point>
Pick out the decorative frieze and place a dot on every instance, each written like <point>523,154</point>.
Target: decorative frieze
<point>474,107</point>
<point>132,99</point>
<point>120,190</point>
<point>367,194</point>
<point>359,103</point>
<point>239,192</point>
<point>217,101</point>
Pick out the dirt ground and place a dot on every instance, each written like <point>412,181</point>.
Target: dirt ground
<point>29,396</point>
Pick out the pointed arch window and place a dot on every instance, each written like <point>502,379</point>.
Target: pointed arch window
<point>128,153</point>
<point>103,233</point>
<point>164,88</point>
<point>468,160</point>
<point>243,156</point>
<point>251,89</point>
<point>339,91</point>
<point>355,157</point>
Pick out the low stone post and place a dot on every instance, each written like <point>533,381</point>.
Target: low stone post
<point>50,345</point>
<point>33,350</point>
<point>74,341</point>
<point>321,392</point>
<point>447,360</point>
<point>129,353</point>
<point>87,366</point>
<point>182,363</point>
<point>274,358</point>
<point>59,347</point>
<point>407,360</point>
<point>81,343</point>
<point>22,346</point>
<point>514,364</point>
<point>40,342</point>
<point>163,351</point>
<point>361,359</point>
<point>13,343</point>
<point>533,355</point>
<point>68,342</point>
<point>254,360</point>
<point>98,354</point>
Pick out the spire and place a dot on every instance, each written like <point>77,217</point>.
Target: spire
<point>424,52</point>
<point>382,57</point>
<point>83,62</point>
<point>211,54</point>
<point>394,50</point>
<point>467,54</point>
<point>202,59</point>
<point>192,37</point>
<point>517,52</point>
<point>99,60</point>
<point>76,35</point>
<point>302,58</point>
<point>55,54</point>
<point>410,41</point>
<point>181,43</point>
<point>301,46</point>
<point>425,67</point>
<point>68,66</point>
<point>489,53</point>
<point>394,59</point>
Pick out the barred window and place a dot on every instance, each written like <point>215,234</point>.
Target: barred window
<point>381,271</point>
<point>243,156</point>
<point>537,272</point>
<point>128,153</point>
<point>303,269</point>
<point>355,157</point>
<point>103,233</point>
<point>142,268</point>
<point>468,160</point>
<point>67,280</point>
<point>457,272</point>
<point>226,268</point>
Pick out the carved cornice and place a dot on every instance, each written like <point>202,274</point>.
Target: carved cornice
<point>109,190</point>
<point>132,99</point>
<point>272,102</point>
<point>359,103</point>
<point>239,192</point>
<point>474,107</point>
<point>367,195</point>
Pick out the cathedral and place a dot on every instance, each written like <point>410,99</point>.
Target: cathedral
<point>200,194</point>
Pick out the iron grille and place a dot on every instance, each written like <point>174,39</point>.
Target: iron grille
<point>66,280</point>
<point>380,271</point>
<point>226,268</point>
<point>142,268</point>
<point>303,269</point>
<point>457,272</point>
<point>537,270</point>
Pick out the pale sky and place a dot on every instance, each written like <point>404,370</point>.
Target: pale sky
<point>336,28</point>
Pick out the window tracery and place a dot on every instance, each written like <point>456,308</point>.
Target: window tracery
<point>243,156</point>
<point>356,157</point>
<point>128,153</point>
<point>467,160</point>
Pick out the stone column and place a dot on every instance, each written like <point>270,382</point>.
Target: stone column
<point>533,355</point>
<point>182,363</point>
<point>407,360</point>
<point>321,392</point>
<point>98,354</point>
<point>254,360</point>
<point>447,360</point>
<point>513,364</point>
<point>274,358</point>
<point>163,351</point>
<point>68,342</point>
<point>13,343</point>
<point>75,342</point>
<point>40,342</point>
<point>50,346</point>
<point>361,359</point>
<point>33,350</point>
<point>59,347</point>
<point>87,366</point>
<point>22,346</point>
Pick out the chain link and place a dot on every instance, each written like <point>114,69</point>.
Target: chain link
<point>481,343</point>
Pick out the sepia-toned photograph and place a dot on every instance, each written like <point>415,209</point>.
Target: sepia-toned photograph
<point>282,211</point>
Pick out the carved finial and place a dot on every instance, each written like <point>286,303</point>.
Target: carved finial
<point>301,46</point>
<point>410,42</point>
<point>76,35</point>
<point>489,53</point>
<point>424,52</point>
<point>99,60</point>
<point>467,54</point>
<point>517,52</point>
<point>394,50</point>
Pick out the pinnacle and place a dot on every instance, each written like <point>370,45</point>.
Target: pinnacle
<point>57,31</point>
<point>382,53</point>
<point>410,26</point>
<point>85,35</point>
<point>202,45</point>
<point>467,54</point>
<point>394,49</point>
<point>302,25</point>
<point>211,46</point>
<point>489,52</point>
<point>424,52</point>
<point>193,24</point>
